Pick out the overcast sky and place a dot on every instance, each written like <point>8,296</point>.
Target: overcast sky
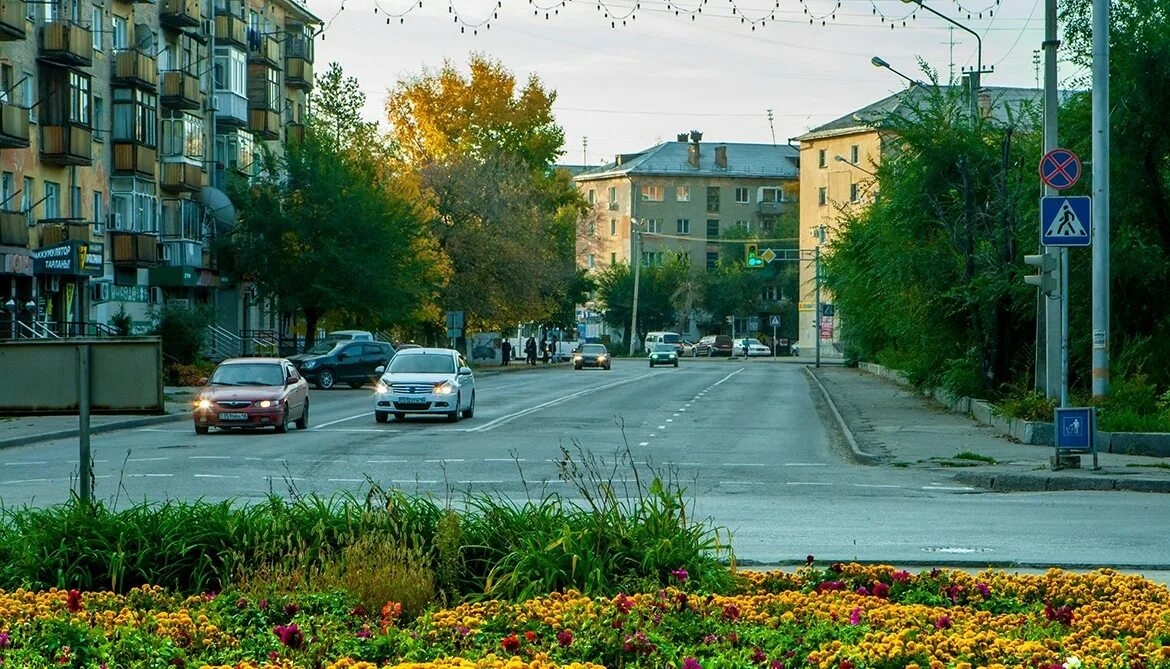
<point>628,88</point>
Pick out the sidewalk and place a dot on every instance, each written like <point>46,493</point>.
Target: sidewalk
<point>889,425</point>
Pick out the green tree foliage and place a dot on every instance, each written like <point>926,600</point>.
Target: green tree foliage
<point>732,290</point>
<point>182,329</point>
<point>930,275</point>
<point>657,285</point>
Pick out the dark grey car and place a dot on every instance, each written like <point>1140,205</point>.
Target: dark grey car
<point>343,361</point>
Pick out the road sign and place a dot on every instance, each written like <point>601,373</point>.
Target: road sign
<point>1060,169</point>
<point>1075,428</point>
<point>768,255</point>
<point>826,327</point>
<point>1066,221</point>
<point>775,321</point>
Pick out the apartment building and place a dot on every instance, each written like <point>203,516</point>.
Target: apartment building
<point>119,121</point>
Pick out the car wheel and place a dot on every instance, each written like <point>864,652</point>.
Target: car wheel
<point>381,416</point>
<point>676,363</point>
<point>282,426</point>
<point>398,416</point>
<point>325,380</point>
<point>453,416</point>
<point>709,353</point>
<point>356,385</point>
<point>303,421</point>
<point>201,429</point>
<point>469,413</point>
<point>607,367</point>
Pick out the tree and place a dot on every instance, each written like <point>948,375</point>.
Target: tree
<point>656,290</point>
<point>732,290</point>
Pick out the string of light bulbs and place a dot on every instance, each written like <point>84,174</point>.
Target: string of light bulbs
<point>912,14</point>
<point>753,21</point>
<point>823,18</point>
<point>978,13</point>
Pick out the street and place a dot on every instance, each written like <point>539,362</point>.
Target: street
<point>746,438</point>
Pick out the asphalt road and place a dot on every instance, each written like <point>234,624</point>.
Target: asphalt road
<point>746,438</point>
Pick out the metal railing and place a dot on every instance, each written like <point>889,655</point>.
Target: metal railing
<point>221,344</point>
<point>260,342</point>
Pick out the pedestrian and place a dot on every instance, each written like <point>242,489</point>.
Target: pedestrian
<point>544,349</point>
<point>745,348</point>
<point>506,351</point>
<point>530,350</point>
<point>553,348</point>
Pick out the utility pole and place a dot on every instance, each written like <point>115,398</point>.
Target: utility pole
<point>1100,198</point>
<point>952,43</point>
<point>772,126</point>
<point>585,150</point>
<point>636,231</point>
<point>817,290</point>
<point>1036,65</point>
<point>1048,319</point>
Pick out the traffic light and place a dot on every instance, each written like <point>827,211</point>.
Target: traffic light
<point>752,256</point>
<point>1046,280</point>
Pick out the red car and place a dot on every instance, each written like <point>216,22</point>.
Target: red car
<point>253,392</point>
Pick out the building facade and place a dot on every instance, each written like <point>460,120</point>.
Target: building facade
<point>684,195</point>
<point>120,121</point>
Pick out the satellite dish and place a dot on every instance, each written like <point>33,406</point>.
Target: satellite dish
<point>219,208</point>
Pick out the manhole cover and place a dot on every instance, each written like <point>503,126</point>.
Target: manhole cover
<point>955,549</point>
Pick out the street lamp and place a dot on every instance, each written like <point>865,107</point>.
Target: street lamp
<point>878,61</point>
<point>636,229</point>
<point>10,305</point>
<point>841,159</point>
<point>973,75</point>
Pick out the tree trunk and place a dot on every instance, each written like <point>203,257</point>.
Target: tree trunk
<point>312,316</point>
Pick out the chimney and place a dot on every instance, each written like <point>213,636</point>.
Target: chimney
<point>984,104</point>
<point>617,159</point>
<point>721,157</point>
<point>693,155</point>
<point>682,136</point>
<point>696,136</point>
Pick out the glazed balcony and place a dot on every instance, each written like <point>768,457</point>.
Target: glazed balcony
<point>13,230</point>
<point>230,30</point>
<point>231,109</point>
<point>265,123</point>
<point>268,53</point>
<point>135,159</point>
<point>12,20</point>
<point>772,208</point>
<point>67,145</point>
<point>134,249</point>
<point>14,132</point>
<point>66,43</point>
<point>55,231</point>
<point>180,177</point>
<point>179,13</point>
<point>298,73</point>
<point>180,90</point>
<point>135,68</point>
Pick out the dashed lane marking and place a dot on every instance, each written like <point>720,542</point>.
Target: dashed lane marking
<point>807,483</point>
<point>661,427</point>
<point>643,443</point>
<point>209,457</point>
<point>492,424</point>
<point>804,464</point>
<point>215,476</point>
<point>745,464</point>
<point>342,420</point>
<point>741,483</point>
<point>346,480</point>
<point>18,464</point>
<point>474,482</point>
<point>148,459</point>
<point>446,460</point>
<point>948,487</point>
<point>875,485</point>
<point>382,462</point>
<point>504,460</point>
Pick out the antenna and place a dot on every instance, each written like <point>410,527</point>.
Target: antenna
<point>952,42</point>
<point>773,127</point>
<point>1036,65</point>
<point>584,150</point>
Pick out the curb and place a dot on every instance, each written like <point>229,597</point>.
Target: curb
<point>753,565</point>
<point>93,429</point>
<point>861,455</point>
<point>1007,482</point>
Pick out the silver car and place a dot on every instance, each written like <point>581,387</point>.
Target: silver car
<point>425,381</point>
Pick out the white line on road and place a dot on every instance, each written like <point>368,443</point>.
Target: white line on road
<point>17,464</point>
<point>807,483</point>
<point>24,481</point>
<point>504,460</point>
<point>728,376</point>
<point>447,460</point>
<point>255,459</point>
<point>946,487</point>
<point>150,476</point>
<point>477,482</point>
<point>382,462</point>
<point>643,443</point>
<point>677,414</point>
<point>346,480</point>
<point>741,483</point>
<point>357,429</point>
<point>161,429</point>
<point>744,464</point>
<point>490,425</point>
<point>653,434</point>
<point>342,420</point>
<point>209,457</point>
<point>661,427</point>
<point>215,476</point>
<point>804,464</point>
<point>875,485</point>
<point>147,459</point>
<point>685,464</point>
<point>400,481</point>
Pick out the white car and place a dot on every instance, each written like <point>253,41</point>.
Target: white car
<point>425,381</point>
<point>754,348</point>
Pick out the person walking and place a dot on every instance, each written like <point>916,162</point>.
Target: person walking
<point>544,349</point>
<point>530,350</point>
<point>506,351</point>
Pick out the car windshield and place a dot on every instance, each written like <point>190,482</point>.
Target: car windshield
<point>593,349</point>
<point>325,346</point>
<point>248,374</point>
<point>671,338</point>
<point>664,348</point>
<point>423,363</point>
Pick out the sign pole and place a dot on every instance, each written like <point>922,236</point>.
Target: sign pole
<point>83,388</point>
<point>773,341</point>
<point>1100,129</point>
<point>1064,290</point>
<point>817,329</point>
<point>1048,319</point>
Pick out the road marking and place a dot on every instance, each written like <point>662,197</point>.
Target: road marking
<point>150,476</point>
<point>209,457</point>
<point>18,464</point>
<point>728,376</point>
<point>875,485</point>
<point>411,481</point>
<point>677,414</point>
<point>477,482</point>
<point>447,460</point>
<point>382,462</point>
<point>26,481</point>
<point>741,483</point>
<point>346,480</point>
<point>215,476</point>
<point>685,464</point>
<point>524,412</point>
<point>661,427</point>
<point>643,443</point>
<point>652,434</point>
<point>945,487</point>
<point>804,464</point>
<point>807,483</point>
<point>358,429</point>
<point>504,460</point>
<point>149,459</point>
<point>159,429</point>
<point>255,459</point>
<point>744,464</point>
<point>342,420</point>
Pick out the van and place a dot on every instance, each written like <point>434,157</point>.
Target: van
<point>672,338</point>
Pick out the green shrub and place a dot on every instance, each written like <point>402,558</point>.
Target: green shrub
<point>188,375</point>
<point>1026,405</point>
<point>962,377</point>
<point>121,321</point>
<point>183,330</point>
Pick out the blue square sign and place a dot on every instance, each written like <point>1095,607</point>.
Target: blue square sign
<point>1066,220</point>
<point>1076,428</point>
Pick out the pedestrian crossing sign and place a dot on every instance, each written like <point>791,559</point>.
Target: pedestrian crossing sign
<point>1066,221</point>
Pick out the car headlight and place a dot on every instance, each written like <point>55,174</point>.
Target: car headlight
<point>309,364</point>
<point>576,358</point>
<point>381,388</point>
<point>264,404</point>
<point>672,355</point>
<point>444,388</point>
<point>601,358</point>
<point>203,403</point>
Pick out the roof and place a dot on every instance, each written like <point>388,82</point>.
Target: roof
<point>1003,99</point>
<point>253,360</point>
<point>427,350</point>
<point>671,158</point>
<point>574,170</point>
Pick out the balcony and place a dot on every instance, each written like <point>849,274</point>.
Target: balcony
<point>13,126</point>
<point>13,230</point>
<point>182,219</point>
<point>53,231</point>
<point>66,43</point>
<point>298,73</point>
<point>180,90</point>
<point>179,177</point>
<point>66,145</point>
<point>294,132</point>
<point>134,249</point>
<point>12,19</point>
<point>179,13</point>
<point>231,109</point>
<point>135,68</point>
<point>771,208</point>
<point>230,30</point>
<point>268,53</point>
<point>135,158</point>
<point>265,123</point>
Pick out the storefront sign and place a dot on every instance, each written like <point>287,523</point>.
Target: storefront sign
<point>72,257</point>
<point>13,263</point>
<point>129,294</point>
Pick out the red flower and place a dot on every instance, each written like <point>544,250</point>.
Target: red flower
<point>564,637</point>
<point>530,635</point>
<point>845,664</point>
<point>881,590</point>
<point>511,643</point>
<point>731,612</point>
<point>73,601</point>
<point>758,656</point>
<point>942,623</point>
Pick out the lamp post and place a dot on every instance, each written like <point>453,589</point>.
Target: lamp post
<point>636,230</point>
<point>10,305</point>
<point>841,159</point>
<point>972,75</point>
<point>878,61</point>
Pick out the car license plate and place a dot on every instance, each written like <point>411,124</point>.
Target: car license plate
<point>233,416</point>
<point>412,400</point>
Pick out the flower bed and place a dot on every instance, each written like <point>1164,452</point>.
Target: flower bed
<point>843,617</point>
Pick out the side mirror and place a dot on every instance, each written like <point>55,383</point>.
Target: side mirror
<point>290,380</point>
<point>464,371</point>
<point>202,381</point>
<point>380,369</point>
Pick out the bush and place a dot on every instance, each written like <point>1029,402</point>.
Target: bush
<point>178,374</point>
<point>961,377</point>
<point>121,321</point>
<point>1026,405</point>
<point>183,330</point>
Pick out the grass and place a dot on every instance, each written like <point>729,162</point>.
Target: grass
<point>968,455</point>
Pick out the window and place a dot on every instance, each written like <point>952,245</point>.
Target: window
<point>712,228</point>
<point>771,195</point>
<point>272,88</point>
<point>5,81</point>
<point>121,32</point>
<point>99,210</point>
<point>52,204</point>
<point>652,194</point>
<point>135,203</point>
<point>27,97</point>
<point>854,154</point>
<point>591,229</point>
<point>766,227</point>
<point>822,159</point>
<point>612,258</point>
<point>770,293</point>
<point>613,193</point>
<point>683,226</point>
<point>682,193</point>
<point>742,196</point>
<point>592,261</point>
<point>75,203</point>
<point>712,199</point>
<point>652,258</point>
<point>591,196</point>
<point>26,195</point>
<point>613,227</point>
<point>238,150</point>
<point>854,193</point>
<point>653,226</point>
<point>79,98</point>
<point>7,191</point>
<point>135,116</point>
<point>183,137</point>
<point>231,71</point>
<point>822,196</point>
<point>97,32</point>
<point>99,119</point>
<point>712,259</point>
<point>746,225</point>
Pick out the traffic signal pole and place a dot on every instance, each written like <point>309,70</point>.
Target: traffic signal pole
<point>1049,319</point>
<point>1100,198</point>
